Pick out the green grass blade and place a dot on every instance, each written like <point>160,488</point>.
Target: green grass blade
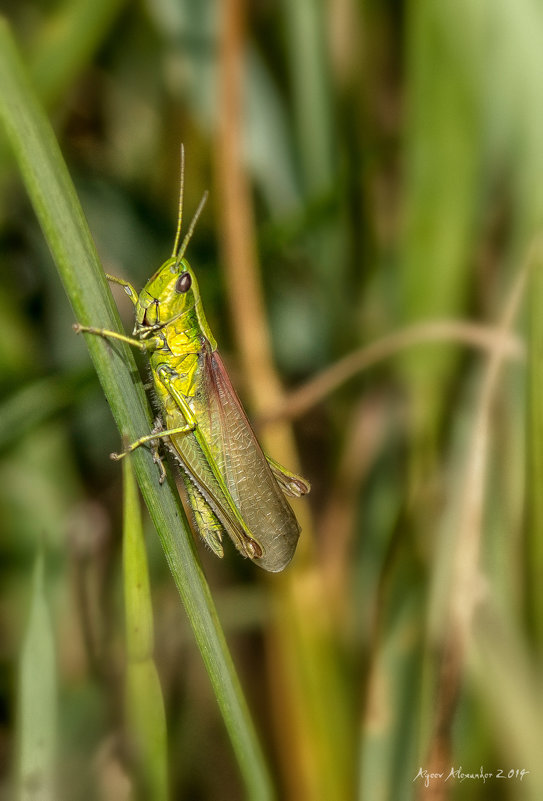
<point>440,190</point>
<point>388,742</point>
<point>304,24</point>
<point>37,700</point>
<point>67,234</point>
<point>144,704</point>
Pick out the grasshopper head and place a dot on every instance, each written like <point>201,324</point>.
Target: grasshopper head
<point>171,292</point>
<point>169,296</point>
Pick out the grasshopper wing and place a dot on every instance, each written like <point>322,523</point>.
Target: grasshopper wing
<point>226,464</point>
<point>246,471</point>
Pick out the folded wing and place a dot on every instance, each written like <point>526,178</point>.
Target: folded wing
<point>243,466</point>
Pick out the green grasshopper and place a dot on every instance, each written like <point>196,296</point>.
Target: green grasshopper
<point>231,485</point>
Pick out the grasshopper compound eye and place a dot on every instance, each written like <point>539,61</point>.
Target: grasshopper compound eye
<point>183,283</point>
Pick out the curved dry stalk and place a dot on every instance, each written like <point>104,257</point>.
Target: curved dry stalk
<point>467,581</point>
<point>475,335</point>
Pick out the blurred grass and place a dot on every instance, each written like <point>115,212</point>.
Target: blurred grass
<point>441,165</point>
<point>37,743</point>
<point>312,686</point>
<point>534,444</point>
<point>145,716</point>
<point>382,182</point>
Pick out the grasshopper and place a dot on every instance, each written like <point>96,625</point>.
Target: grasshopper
<point>231,485</point>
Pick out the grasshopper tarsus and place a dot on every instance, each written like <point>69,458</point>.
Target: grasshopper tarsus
<point>116,457</point>
<point>158,461</point>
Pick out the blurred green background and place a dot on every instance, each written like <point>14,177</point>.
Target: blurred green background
<point>376,194</point>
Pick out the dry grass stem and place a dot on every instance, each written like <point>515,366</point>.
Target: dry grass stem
<point>468,585</point>
<point>475,335</point>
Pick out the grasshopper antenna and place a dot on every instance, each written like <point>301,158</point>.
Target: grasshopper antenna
<point>192,226</point>
<point>180,212</point>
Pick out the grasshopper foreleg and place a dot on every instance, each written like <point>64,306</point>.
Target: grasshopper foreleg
<point>145,345</point>
<point>126,285</point>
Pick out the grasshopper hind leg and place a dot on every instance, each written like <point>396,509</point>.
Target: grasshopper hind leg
<point>205,519</point>
<point>292,485</point>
